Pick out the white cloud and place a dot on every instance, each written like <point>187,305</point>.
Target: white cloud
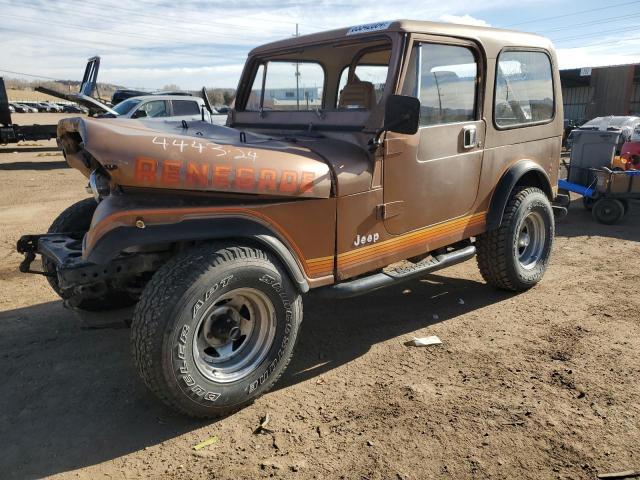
<point>610,51</point>
<point>465,19</point>
<point>151,43</point>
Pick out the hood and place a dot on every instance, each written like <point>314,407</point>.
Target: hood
<point>194,156</point>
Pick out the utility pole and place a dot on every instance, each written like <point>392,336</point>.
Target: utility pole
<point>297,76</point>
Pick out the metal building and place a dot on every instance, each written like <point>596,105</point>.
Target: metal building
<point>600,91</point>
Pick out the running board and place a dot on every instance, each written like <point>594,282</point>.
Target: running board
<point>360,286</point>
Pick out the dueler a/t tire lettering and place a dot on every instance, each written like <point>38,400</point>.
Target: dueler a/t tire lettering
<point>173,310</point>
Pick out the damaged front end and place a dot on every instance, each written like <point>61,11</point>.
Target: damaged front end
<point>79,280</point>
<point>157,186</point>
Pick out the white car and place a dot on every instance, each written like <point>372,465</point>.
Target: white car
<point>162,107</point>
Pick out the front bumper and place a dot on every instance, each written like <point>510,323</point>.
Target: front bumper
<point>77,278</point>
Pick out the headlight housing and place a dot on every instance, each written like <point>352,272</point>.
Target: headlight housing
<point>99,185</point>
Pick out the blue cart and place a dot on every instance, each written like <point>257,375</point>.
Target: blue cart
<point>606,193</point>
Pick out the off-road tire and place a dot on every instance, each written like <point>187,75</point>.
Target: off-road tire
<point>76,219</point>
<point>608,211</point>
<point>180,296</point>
<point>497,250</point>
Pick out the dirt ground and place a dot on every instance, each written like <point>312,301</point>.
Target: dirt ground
<point>541,385</point>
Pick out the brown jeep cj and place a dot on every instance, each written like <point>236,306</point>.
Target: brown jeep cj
<point>353,159</point>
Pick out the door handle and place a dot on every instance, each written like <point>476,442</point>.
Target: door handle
<point>470,137</point>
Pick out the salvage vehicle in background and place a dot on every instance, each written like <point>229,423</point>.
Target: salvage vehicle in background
<point>72,109</point>
<point>11,132</point>
<point>163,107</point>
<point>22,108</point>
<point>135,104</point>
<point>352,160</point>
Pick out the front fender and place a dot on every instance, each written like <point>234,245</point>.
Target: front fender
<point>111,234</point>
<point>524,172</point>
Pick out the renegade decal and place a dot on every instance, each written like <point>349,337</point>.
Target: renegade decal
<point>224,176</point>
<point>369,27</point>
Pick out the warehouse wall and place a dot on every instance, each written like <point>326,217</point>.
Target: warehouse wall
<point>611,91</point>
<point>606,91</point>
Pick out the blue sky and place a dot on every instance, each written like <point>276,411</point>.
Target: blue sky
<point>149,43</point>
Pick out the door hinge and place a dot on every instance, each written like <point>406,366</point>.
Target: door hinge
<point>391,209</point>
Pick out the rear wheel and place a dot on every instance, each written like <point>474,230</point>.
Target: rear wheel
<point>608,211</point>
<point>215,328</point>
<point>515,256</point>
<point>76,220</point>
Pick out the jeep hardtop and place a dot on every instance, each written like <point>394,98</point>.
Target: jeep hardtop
<point>352,160</point>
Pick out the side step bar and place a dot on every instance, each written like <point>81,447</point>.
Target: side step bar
<point>360,286</point>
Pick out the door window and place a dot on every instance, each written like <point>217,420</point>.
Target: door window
<point>444,78</point>
<point>155,108</point>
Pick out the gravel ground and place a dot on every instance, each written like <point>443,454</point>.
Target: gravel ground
<point>545,384</point>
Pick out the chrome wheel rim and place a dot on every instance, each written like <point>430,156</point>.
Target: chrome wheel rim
<point>531,240</point>
<point>234,335</point>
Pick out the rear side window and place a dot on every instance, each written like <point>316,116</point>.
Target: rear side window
<point>185,107</point>
<point>524,89</point>
<point>444,79</point>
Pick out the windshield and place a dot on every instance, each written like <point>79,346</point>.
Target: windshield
<point>126,106</point>
<point>335,77</point>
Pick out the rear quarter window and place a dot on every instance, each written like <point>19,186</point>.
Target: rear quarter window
<point>524,89</point>
<point>185,107</point>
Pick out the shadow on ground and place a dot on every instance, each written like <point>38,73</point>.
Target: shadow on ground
<point>44,165</point>
<point>31,149</point>
<point>579,222</point>
<point>69,397</point>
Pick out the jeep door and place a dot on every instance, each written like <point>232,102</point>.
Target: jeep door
<point>433,176</point>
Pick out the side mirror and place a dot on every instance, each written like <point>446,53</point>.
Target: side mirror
<point>402,114</point>
<point>139,114</point>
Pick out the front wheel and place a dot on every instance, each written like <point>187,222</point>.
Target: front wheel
<point>515,255</point>
<point>215,328</point>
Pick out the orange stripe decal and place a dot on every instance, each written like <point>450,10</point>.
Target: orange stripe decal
<point>409,240</point>
<point>313,267</point>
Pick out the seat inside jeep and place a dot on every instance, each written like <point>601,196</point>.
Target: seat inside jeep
<point>357,94</point>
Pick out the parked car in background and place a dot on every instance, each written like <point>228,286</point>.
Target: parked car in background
<point>72,109</point>
<point>38,106</point>
<point>54,107</point>
<point>162,107</point>
<point>22,108</point>
<point>624,124</point>
<point>12,109</point>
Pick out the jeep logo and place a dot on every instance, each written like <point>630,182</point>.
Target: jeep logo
<point>363,240</point>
